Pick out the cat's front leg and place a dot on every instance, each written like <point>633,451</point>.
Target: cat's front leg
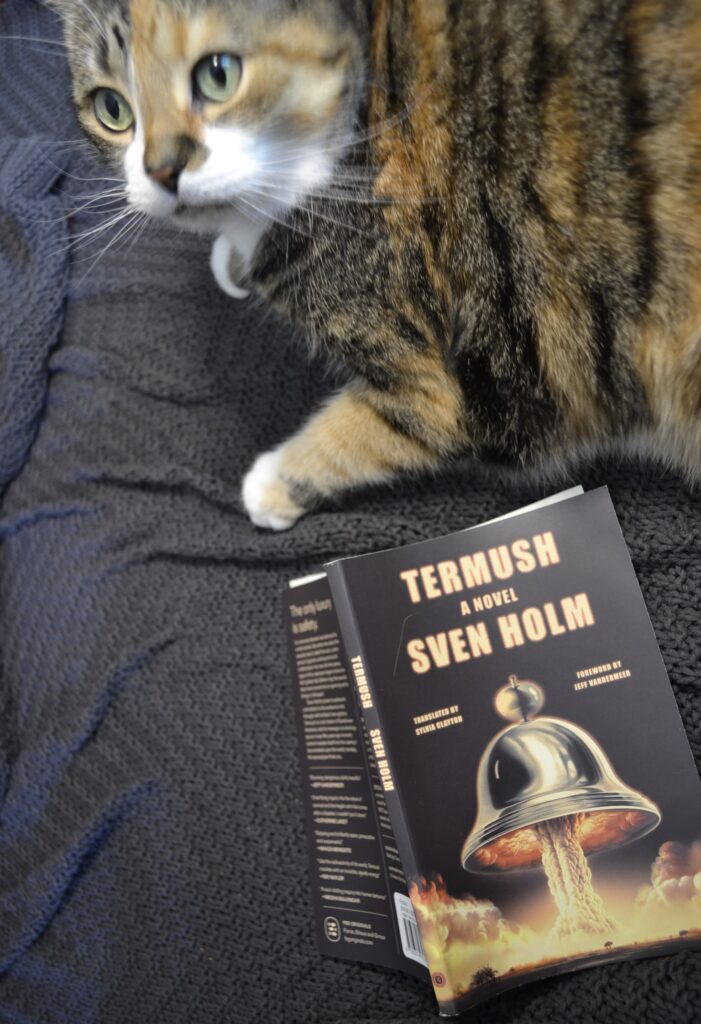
<point>359,438</point>
<point>232,251</point>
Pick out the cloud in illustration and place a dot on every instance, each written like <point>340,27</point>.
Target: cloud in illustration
<point>445,920</point>
<point>464,935</point>
<point>675,877</point>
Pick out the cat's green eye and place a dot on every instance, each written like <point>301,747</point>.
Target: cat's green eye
<point>216,78</point>
<point>112,110</point>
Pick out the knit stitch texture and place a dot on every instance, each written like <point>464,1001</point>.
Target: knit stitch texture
<point>153,865</point>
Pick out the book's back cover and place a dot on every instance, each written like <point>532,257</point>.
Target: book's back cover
<point>537,757</point>
<point>361,907</point>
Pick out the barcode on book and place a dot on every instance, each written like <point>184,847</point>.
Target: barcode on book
<point>409,929</point>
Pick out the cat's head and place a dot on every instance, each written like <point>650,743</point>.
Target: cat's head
<point>214,105</point>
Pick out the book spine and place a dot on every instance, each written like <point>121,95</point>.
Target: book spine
<point>367,692</point>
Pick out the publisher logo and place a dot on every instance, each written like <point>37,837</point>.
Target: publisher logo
<point>439,979</point>
<point>332,929</point>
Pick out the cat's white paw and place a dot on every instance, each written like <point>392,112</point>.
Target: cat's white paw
<point>220,262</point>
<point>266,496</point>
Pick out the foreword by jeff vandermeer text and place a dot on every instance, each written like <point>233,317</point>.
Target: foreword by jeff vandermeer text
<point>513,628</point>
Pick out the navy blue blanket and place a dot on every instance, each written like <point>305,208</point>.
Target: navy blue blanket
<point>152,856</point>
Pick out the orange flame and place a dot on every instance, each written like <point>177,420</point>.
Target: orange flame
<point>597,830</point>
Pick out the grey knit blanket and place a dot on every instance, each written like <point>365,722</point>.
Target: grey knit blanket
<point>152,857</point>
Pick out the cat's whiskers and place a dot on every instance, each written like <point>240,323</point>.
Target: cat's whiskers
<point>292,224</point>
<point>64,142</point>
<point>92,16</point>
<point>78,239</point>
<point>345,140</point>
<point>264,216</point>
<point>290,165</point>
<point>133,221</point>
<point>94,197</point>
<point>134,231</point>
<point>332,192</point>
<point>77,177</point>
<point>108,208</point>
<point>143,225</point>
<point>98,198</point>
<point>290,155</point>
<point>109,200</point>
<point>107,194</point>
<point>34,39</point>
<point>86,210</point>
<point>82,238</point>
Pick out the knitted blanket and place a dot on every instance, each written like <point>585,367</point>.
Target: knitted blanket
<point>152,856</point>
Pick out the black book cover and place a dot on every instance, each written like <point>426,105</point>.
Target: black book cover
<point>361,906</point>
<point>543,795</point>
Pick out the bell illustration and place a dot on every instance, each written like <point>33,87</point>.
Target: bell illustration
<point>540,769</point>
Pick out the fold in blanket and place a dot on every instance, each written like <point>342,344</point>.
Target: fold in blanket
<point>34,263</point>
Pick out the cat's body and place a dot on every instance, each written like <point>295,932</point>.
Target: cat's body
<point>511,265</point>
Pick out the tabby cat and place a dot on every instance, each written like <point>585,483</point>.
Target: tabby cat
<point>487,211</point>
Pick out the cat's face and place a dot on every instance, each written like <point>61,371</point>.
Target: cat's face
<point>214,106</point>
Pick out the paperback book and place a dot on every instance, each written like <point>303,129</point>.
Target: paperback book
<point>498,784</point>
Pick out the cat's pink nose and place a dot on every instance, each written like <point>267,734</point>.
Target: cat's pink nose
<point>167,175</point>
